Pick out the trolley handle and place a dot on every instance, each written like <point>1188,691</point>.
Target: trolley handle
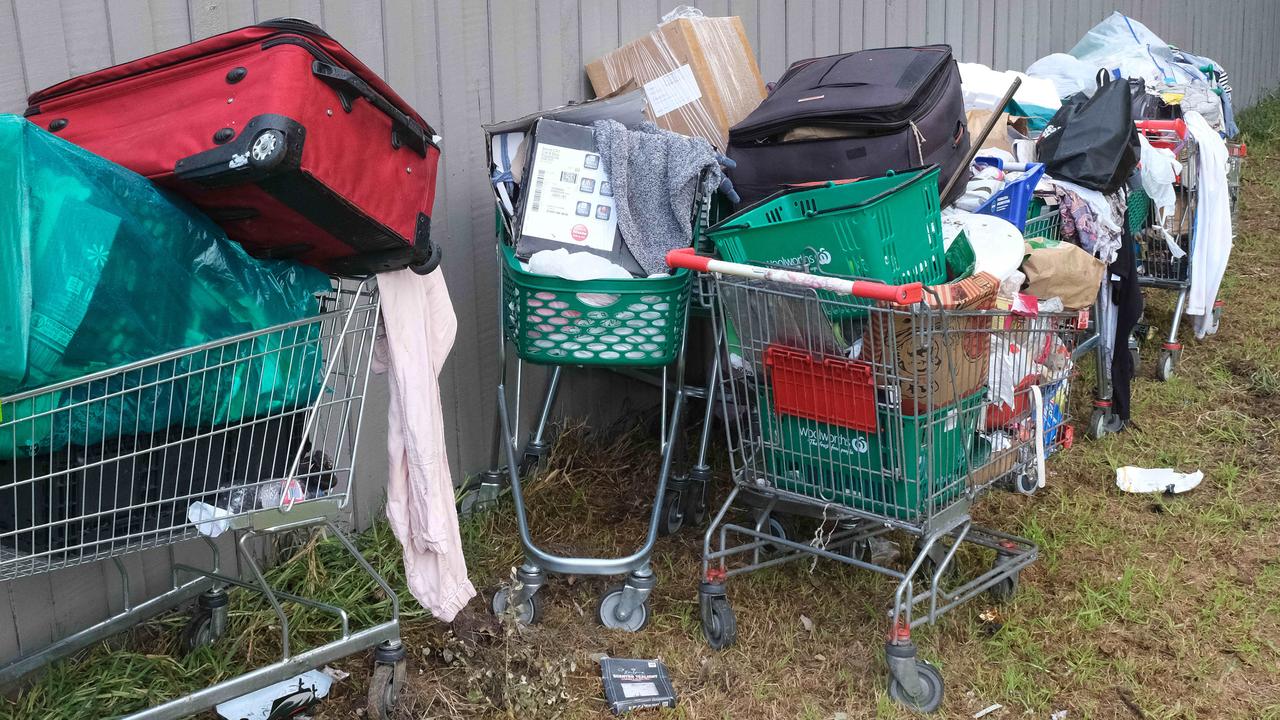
<point>1157,126</point>
<point>908,294</point>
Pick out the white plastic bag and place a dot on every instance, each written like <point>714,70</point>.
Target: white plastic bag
<point>1069,75</point>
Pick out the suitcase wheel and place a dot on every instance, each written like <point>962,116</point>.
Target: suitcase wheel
<point>268,149</point>
<point>432,261</point>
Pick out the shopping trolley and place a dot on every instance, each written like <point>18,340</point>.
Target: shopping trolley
<point>1164,247</point>
<point>1102,419</point>
<point>864,405</point>
<point>269,466</point>
<point>620,325</point>
<point>1237,152</point>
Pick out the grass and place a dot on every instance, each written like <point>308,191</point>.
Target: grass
<point>1139,607</point>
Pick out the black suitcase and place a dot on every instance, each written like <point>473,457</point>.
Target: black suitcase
<point>854,115</point>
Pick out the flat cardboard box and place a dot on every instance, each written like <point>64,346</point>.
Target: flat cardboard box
<point>699,75</point>
<point>939,368</point>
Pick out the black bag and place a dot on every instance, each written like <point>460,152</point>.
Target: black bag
<point>853,115</point>
<point>1091,141</point>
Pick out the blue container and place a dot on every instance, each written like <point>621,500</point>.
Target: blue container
<point>1014,200</point>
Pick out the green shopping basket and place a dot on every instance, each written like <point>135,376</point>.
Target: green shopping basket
<point>887,228</point>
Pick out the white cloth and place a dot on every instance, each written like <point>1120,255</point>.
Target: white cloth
<point>420,326</point>
<point>1211,246</point>
<point>1152,480</point>
<point>575,265</point>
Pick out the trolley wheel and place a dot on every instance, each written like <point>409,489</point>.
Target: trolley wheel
<point>607,611</point>
<point>937,553</point>
<point>1135,353</point>
<point>1026,483</point>
<point>1003,591</point>
<point>200,630</point>
<point>528,613</point>
<point>861,550</point>
<point>698,515</point>
<point>719,626</point>
<point>931,689</point>
<point>268,149</point>
<point>384,689</point>
<point>1168,365</point>
<point>672,513</point>
<point>1098,424</point>
<point>775,528</point>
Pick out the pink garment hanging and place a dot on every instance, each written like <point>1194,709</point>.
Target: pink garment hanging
<point>419,328</point>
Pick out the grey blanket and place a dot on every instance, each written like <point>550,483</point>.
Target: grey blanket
<point>655,176</point>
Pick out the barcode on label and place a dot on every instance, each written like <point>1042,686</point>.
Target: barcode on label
<point>538,183</point>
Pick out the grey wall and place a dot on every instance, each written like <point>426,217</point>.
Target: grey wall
<point>466,62</point>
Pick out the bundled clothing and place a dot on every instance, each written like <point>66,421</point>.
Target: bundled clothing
<point>419,325</point>
<point>1090,219</point>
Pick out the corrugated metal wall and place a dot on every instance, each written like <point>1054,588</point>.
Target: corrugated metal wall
<point>466,62</point>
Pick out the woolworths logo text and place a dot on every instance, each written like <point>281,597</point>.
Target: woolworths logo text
<point>833,442</point>
<point>822,257</point>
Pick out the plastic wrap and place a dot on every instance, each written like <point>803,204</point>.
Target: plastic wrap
<point>98,269</point>
<point>699,73</point>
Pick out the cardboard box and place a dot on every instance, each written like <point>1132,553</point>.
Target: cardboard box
<point>940,360</point>
<point>567,202</point>
<point>699,74</point>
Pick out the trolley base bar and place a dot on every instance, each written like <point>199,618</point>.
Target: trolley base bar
<point>13,672</point>
<point>274,673</point>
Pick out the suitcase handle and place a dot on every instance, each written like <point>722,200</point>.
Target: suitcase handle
<point>349,87</point>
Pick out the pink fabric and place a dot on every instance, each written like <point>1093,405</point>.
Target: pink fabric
<point>420,326</point>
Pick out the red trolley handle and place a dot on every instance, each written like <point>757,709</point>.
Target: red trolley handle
<point>1177,126</point>
<point>907,294</point>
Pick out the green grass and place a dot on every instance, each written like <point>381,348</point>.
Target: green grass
<point>1170,605</point>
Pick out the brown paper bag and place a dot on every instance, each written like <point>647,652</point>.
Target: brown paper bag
<point>999,137</point>
<point>1066,271</point>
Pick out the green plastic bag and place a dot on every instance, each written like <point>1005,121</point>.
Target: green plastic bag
<point>98,269</point>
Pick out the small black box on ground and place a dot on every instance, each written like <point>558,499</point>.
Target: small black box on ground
<point>636,684</point>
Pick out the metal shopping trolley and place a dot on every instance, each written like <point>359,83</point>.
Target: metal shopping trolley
<point>1164,246</point>
<point>1102,419</point>
<point>1237,152</point>
<point>874,411</point>
<point>97,487</point>
<point>621,325</point>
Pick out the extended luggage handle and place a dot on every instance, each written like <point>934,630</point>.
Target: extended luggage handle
<point>349,86</point>
<point>909,294</point>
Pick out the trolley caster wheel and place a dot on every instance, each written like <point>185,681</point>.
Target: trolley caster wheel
<point>673,513</point>
<point>776,529</point>
<point>1168,365</point>
<point>929,697</point>
<point>528,613</point>
<point>860,550</point>
<point>1026,483</point>
<point>719,626</point>
<point>1136,354</point>
<point>937,553</point>
<point>268,149</point>
<point>1005,590</point>
<point>608,611</point>
<point>201,630</point>
<point>384,689</point>
<point>1099,424</point>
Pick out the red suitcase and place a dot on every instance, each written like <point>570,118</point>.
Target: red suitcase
<point>276,131</point>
